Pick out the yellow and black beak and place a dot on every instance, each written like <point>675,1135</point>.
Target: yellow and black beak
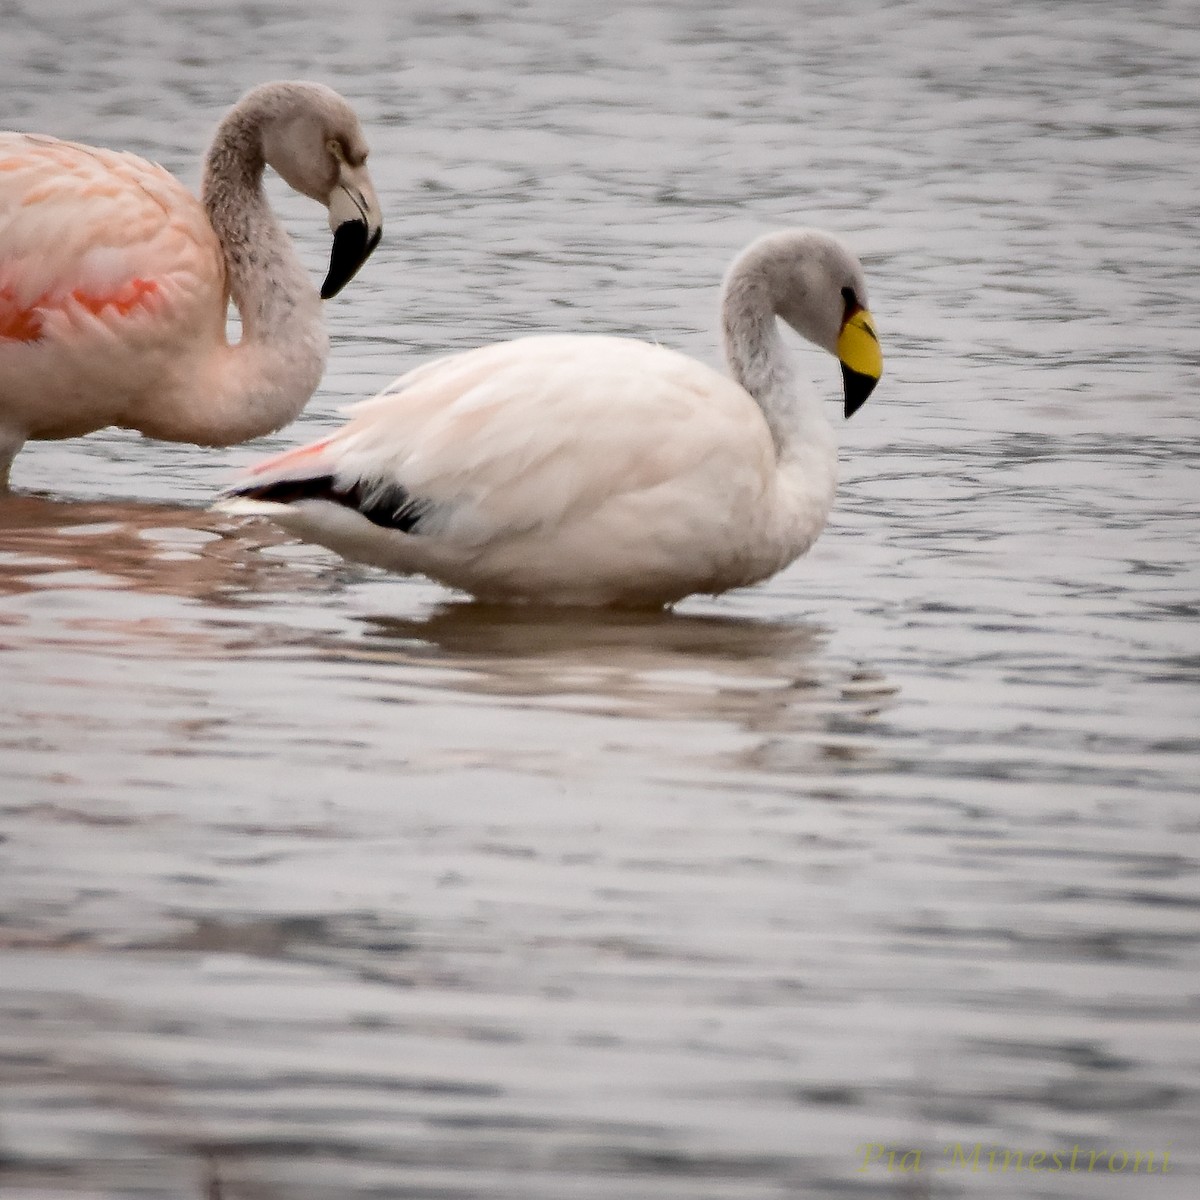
<point>859,353</point>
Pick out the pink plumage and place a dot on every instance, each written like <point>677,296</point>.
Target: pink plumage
<point>108,266</point>
<point>115,281</point>
<point>90,232</point>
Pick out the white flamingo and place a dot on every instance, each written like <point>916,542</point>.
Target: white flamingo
<point>597,470</point>
<point>115,281</point>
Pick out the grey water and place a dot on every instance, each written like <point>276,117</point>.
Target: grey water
<point>879,879</point>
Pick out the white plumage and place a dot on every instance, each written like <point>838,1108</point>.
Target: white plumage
<point>594,470</point>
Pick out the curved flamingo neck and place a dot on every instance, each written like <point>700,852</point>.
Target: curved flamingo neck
<point>757,357</point>
<point>756,289</point>
<point>266,378</point>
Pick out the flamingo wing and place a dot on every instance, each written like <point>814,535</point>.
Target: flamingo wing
<point>534,433</point>
<point>92,232</point>
<point>111,280</point>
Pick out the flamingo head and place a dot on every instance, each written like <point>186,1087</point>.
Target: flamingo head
<point>315,141</point>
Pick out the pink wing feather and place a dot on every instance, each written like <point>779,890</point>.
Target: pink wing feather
<point>109,270</point>
<point>108,232</point>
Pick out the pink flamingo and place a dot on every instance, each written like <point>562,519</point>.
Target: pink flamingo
<point>115,281</point>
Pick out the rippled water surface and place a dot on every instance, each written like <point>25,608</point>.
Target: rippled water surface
<point>337,885</point>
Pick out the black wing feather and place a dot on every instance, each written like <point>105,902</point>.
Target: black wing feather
<point>389,506</point>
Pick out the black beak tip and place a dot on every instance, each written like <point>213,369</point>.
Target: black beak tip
<point>352,247</point>
<point>857,388</point>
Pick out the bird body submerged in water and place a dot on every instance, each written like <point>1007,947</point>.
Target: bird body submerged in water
<point>596,470</point>
<point>115,281</point>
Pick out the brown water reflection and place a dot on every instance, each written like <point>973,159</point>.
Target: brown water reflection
<point>47,543</point>
<point>666,665</point>
<point>766,678</point>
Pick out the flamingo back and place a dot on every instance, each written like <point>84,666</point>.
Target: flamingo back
<point>108,269</point>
